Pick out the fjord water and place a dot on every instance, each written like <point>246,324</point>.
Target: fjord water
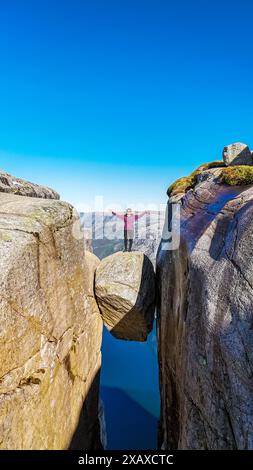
<point>130,392</point>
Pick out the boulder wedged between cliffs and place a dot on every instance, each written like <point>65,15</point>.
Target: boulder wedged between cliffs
<point>125,293</point>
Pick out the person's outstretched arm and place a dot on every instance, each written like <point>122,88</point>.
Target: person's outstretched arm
<point>118,215</point>
<point>138,216</point>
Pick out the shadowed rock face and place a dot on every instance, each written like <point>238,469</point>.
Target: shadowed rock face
<point>125,292</point>
<point>13,185</point>
<point>51,329</point>
<point>205,320</point>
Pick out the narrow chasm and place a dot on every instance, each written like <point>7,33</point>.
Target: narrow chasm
<point>130,392</point>
<point>129,381</point>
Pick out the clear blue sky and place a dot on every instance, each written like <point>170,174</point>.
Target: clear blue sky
<point>118,98</point>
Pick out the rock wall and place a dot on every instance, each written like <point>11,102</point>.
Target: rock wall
<point>51,329</point>
<point>205,321</point>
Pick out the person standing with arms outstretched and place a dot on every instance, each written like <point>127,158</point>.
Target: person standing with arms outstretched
<point>129,219</point>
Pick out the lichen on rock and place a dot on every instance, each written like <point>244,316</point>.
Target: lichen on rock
<point>184,184</point>
<point>235,170</point>
<point>237,175</point>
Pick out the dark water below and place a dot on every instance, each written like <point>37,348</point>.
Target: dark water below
<point>130,392</point>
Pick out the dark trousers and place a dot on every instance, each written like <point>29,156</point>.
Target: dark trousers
<point>128,239</point>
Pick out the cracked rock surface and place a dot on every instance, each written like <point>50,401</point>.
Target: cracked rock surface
<point>125,292</point>
<point>205,321</point>
<point>50,329</point>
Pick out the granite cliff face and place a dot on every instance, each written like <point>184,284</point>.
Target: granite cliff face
<point>51,319</point>
<point>50,327</point>
<point>205,318</point>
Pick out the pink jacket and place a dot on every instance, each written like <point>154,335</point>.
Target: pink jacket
<point>129,220</point>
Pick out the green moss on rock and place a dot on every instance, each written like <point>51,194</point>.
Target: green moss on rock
<point>184,184</point>
<point>233,175</point>
<point>237,175</point>
<point>210,165</point>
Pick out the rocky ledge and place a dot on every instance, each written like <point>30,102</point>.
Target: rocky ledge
<point>13,185</point>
